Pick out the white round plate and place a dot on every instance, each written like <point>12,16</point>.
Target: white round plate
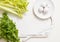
<point>43,8</point>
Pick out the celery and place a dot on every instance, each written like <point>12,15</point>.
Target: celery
<point>18,7</point>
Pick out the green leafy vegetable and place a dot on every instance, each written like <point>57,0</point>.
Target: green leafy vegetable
<point>17,7</point>
<point>8,29</point>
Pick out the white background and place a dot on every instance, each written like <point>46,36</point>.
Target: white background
<point>55,34</point>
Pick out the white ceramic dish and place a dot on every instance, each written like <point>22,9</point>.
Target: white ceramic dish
<point>43,8</point>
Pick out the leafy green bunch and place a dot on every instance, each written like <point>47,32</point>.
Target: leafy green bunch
<point>8,29</point>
